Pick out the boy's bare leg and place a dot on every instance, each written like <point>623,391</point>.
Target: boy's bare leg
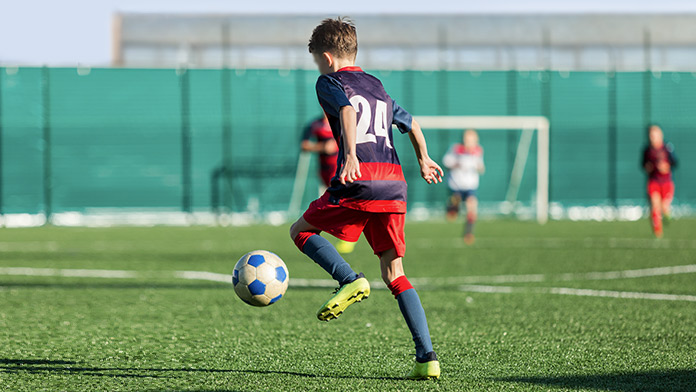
<point>666,210</point>
<point>471,217</point>
<point>453,206</point>
<point>656,214</point>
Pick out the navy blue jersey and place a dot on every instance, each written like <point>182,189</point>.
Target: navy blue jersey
<point>382,187</point>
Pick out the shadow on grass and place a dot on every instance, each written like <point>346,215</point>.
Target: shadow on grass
<point>44,366</point>
<point>649,381</point>
<point>34,362</point>
<point>38,366</point>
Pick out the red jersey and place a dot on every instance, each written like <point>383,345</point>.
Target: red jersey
<point>320,131</point>
<point>654,160</point>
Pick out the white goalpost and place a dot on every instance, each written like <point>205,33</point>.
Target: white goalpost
<point>527,124</point>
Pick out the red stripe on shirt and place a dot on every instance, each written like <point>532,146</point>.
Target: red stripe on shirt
<point>372,171</point>
<point>393,206</point>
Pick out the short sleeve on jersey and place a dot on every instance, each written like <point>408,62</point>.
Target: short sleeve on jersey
<point>331,95</point>
<point>402,119</point>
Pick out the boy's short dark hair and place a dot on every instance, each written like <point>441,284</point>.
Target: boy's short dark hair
<point>336,36</point>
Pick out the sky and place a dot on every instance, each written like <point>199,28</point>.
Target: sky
<point>78,32</point>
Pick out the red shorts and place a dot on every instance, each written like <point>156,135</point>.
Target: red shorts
<point>664,189</point>
<point>383,230</point>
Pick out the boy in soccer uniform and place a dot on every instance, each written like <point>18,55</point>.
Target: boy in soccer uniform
<point>368,194</point>
<point>658,161</point>
<point>465,162</point>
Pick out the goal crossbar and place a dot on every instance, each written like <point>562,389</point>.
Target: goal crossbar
<point>524,123</point>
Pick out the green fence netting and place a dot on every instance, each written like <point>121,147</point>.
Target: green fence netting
<point>83,139</point>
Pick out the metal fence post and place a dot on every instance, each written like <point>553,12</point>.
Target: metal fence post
<point>46,143</point>
<point>647,80</point>
<point>546,101</point>
<point>186,200</point>
<point>1,152</point>
<point>226,137</point>
<point>511,111</point>
<point>612,136</point>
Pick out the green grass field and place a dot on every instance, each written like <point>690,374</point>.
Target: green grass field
<point>566,306</point>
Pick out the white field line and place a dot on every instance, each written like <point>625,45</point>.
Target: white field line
<point>227,278</point>
<point>73,273</point>
<point>203,275</point>
<point>577,292</point>
<point>217,277</point>
<point>299,282</point>
<point>629,274</point>
<point>579,276</point>
<point>561,242</point>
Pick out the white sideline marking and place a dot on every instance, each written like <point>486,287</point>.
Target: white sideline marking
<point>629,274</point>
<point>203,275</point>
<point>227,278</point>
<point>621,294</point>
<point>577,292</point>
<point>561,242</point>
<point>577,276</point>
<point>73,273</point>
<point>300,282</point>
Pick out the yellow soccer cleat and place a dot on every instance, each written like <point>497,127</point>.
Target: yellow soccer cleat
<point>429,370</point>
<point>343,297</point>
<point>345,247</point>
<point>425,371</point>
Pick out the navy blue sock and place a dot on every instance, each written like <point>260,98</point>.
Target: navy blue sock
<point>413,313</point>
<point>323,253</point>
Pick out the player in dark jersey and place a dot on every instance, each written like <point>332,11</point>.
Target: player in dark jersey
<point>318,137</point>
<point>658,162</point>
<point>368,194</point>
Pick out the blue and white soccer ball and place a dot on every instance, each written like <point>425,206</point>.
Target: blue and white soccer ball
<point>260,278</point>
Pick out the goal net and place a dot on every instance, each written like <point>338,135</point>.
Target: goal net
<point>527,126</point>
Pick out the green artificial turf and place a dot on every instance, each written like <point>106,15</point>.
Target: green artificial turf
<point>154,331</point>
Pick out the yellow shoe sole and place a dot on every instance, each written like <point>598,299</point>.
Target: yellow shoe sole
<point>425,371</point>
<point>347,295</point>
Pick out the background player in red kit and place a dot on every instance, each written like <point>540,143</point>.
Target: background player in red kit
<point>369,193</point>
<point>318,138</point>
<point>658,162</point>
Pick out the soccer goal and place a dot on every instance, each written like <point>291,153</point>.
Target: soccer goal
<point>527,125</point>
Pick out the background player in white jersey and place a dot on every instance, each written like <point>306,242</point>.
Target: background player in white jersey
<point>465,164</point>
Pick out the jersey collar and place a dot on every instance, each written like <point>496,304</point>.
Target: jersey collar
<point>350,68</point>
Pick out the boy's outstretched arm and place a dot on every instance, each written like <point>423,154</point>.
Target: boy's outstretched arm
<point>430,170</point>
<point>351,165</point>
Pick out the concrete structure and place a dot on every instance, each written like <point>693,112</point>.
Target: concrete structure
<point>630,42</point>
